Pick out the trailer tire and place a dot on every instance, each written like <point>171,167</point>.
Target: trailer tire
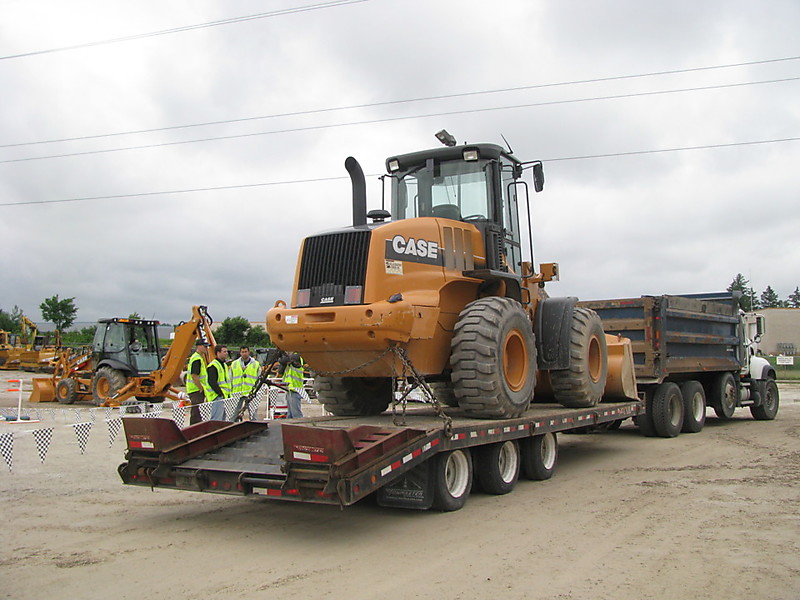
<point>443,390</point>
<point>67,391</point>
<point>724,395</point>
<point>493,358</point>
<point>539,456</point>
<point>354,396</point>
<point>667,411</point>
<point>497,467</point>
<point>694,407</point>
<point>452,475</point>
<point>582,384</point>
<point>105,383</point>
<point>770,402</point>
<point>644,421</point>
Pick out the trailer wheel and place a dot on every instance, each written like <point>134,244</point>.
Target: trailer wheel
<point>493,358</point>
<point>105,383</point>
<point>354,396</point>
<point>452,475</point>
<point>724,395</point>
<point>539,456</point>
<point>667,408</point>
<point>694,407</point>
<point>67,391</point>
<point>768,409</point>
<point>583,383</point>
<point>497,467</point>
<point>443,390</point>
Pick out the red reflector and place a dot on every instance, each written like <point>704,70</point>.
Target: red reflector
<point>214,484</point>
<point>303,298</point>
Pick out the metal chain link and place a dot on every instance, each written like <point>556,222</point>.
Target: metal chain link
<point>426,390</point>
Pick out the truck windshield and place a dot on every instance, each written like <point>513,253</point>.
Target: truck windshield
<point>453,190</point>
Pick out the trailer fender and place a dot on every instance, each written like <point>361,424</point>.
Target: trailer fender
<point>552,330</point>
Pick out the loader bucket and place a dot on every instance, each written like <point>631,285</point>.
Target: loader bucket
<point>621,381</point>
<point>43,390</point>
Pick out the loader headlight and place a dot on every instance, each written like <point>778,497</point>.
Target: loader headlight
<point>394,165</point>
<point>471,154</point>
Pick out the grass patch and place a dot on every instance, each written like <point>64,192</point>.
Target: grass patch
<point>791,372</point>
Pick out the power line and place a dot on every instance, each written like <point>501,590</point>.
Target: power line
<point>403,101</point>
<point>230,21</point>
<point>320,179</point>
<point>403,118</point>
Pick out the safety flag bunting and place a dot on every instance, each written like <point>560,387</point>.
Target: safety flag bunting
<point>7,448</point>
<point>82,433</point>
<point>43,438</point>
<point>205,410</point>
<point>114,426</point>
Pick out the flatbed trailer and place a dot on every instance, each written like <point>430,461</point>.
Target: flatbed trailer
<point>427,462</point>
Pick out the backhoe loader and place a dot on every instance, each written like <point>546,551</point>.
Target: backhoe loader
<point>441,296</point>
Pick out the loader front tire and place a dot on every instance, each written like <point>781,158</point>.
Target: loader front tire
<point>67,391</point>
<point>105,383</point>
<point>582,384</point>
<point>493,359</point>
<point>354,396</point>
<point>443,390</point>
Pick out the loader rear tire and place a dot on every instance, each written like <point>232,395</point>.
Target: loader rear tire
<point>493,359</point>
<point>582,384</point>
<point>67,391</point>
<point>105,383</point>
<point>354,396</point>
<point>443,390</point>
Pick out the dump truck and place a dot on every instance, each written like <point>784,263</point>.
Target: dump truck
<point>441,296</point>
<point>691,351</point>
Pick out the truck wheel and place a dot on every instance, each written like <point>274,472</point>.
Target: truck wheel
<point>443,390</point>
<point>582,384</point>
<point>497,467</point>
<point>644,421</point>
<point>67,391</point>
<point>694,407</point>
<point>105,383</point>
<point>354,396</point>
<point>667,410</point>
<point>539,456</point>
<point>724,395</point>
<point>493,358</point>
<point>768,409</point>
<point>452,479</point>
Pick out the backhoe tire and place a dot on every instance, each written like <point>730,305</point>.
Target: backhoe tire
<point>582,384</point>
<point>768,409</point>
<point>493,359</point>
<point>354,396</point>
<point>443,390</point>
<point>724,396</point>
<point>105,383</point>
<point>694,407</point>
<point>67,391</point>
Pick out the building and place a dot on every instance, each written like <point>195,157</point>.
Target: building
<point>782,335</point>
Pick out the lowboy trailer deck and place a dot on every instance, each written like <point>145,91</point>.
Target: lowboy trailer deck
<point>425,463</point>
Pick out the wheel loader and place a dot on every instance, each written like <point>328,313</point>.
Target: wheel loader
<point>437,293</point>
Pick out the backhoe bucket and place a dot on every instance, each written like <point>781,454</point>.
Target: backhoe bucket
<point>621,381</point>
<point>43,390</point>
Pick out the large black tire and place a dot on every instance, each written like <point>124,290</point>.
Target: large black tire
<point>724,396</point>
<point>67,391</point>
<point>694,407</point>
<point>493,359</point>
<point>667,410</point>
<point>354,396</point>
<point>452,479</point>
<point>443,390</point>
<point>497,467</point>
<point>645,421</point>
<point>539,456</point>
<point>582,384</point>
<point>105,383</point>
<point>770,402</point>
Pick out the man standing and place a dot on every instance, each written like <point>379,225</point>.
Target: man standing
<point>293,379</point>
<point>195,381</point>
<point>244,372</point>
<point>218,383</point>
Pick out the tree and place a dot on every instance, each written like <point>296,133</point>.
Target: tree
<point>232,330</point>
<point>769,299</point>
<point>60,313</point>
<point>11,321</point>
<point>794,298</point>
<point>257,337</point>
<point>134,315</point>
<point>79,338</point>
<point>748,301</point>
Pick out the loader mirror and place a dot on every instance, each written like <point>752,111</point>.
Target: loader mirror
<point>538,177</point>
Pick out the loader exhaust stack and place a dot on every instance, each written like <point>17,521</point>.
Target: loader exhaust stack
<point>359,191</point>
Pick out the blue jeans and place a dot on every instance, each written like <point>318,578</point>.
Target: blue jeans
<point>293,400</point>
<point>218,410</point>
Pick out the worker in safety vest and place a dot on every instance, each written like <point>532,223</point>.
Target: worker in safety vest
<point>218,382</point>
<point>244,372</point>
<point>195,380</point>
<point>292,371</point>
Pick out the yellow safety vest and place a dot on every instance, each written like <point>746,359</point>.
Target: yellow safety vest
<point>293,376</point>
<point>223,380</point>
<point>244,378</point>
<point>190,385</point>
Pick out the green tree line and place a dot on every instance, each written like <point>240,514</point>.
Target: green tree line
<point>767,299</point>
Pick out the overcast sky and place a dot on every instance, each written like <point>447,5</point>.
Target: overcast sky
<point>668,222</point>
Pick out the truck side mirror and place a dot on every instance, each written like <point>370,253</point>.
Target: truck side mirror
<point>538,177</point>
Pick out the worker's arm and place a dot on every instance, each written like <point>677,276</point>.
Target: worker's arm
<point>195,374</point>
<point>213,381</point>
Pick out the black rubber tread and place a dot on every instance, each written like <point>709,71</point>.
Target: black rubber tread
<point>532,465</point>
<point>116,380</point>
<point>478,379</point>
<point>443,390</point>
<point>667,410</point>
<point>488,470</point>
<point>443,498</point>
<point>354,396</point>
<point>723,384</point>
<point>67,391</point>
<point>574,387</point>
<point>768,409</point>
<point>645,421</point>
<point>690,391</point>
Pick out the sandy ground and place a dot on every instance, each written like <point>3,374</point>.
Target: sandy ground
<point>709,515</point>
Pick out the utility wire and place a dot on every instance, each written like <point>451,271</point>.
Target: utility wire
<point>230,21</point>
<point>403,118</point>
<point>402,101</point>
<point>319,179</point>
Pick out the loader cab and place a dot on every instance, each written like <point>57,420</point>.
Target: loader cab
<point>476,184</point>
<point>128,345</point>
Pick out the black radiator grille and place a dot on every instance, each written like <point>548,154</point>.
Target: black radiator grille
<point>333,261</point>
